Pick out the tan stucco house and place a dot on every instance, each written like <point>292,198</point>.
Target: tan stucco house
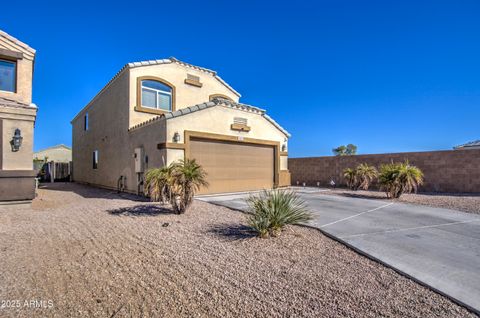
<point>57,153</point>
<point>17,119</point>
<point>152,113</point>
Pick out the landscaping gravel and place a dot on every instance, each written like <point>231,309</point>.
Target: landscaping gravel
<point>466,202</point>
<point>92,253</point>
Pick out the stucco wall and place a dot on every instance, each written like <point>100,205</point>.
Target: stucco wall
<point>23,119</point>
<point>185,94</point>
<point>107,133</point>
<point>24,72</point>
<point>218,120</point>
<point>445,171</point>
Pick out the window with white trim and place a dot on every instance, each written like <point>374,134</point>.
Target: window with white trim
<point>156,95</point>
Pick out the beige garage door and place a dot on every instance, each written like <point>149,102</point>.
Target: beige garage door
<point>234,166</point>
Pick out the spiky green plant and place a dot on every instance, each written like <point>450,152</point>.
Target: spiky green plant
<point>350,176</point>
<point>187,178</point>
<point>365,175</point>
<point>157,183</point>
<point>398,178</point>
<point>271,210</point>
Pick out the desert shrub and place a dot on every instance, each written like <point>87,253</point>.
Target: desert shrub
<point>157,184</point>
<point>398,178</point>
<point>350,176</point>
<point>365,175</point>
<point>271,210</point>
<point>176,183</point>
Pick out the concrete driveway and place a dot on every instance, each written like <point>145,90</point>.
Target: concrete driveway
<point>438,247</point>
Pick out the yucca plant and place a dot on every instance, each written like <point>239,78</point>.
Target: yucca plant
<point>187,178</point>
<point>398,178</point>
<point>365,175</point>
<point>350,176</point>
<point>271,210</point>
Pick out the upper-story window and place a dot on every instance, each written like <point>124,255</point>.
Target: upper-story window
<point>156,95</point>
<point>8,76</point>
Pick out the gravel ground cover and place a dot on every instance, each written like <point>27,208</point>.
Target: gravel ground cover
<point>466,202</point>
<point>85,252</point>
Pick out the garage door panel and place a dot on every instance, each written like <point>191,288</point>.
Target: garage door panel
<point>234,166</point>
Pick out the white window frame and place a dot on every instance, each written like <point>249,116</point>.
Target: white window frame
<point>157,93</point>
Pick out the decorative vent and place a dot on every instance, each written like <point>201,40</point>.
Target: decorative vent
<point>240,124</point>
<point>193,80</point>
<point>240,121</point>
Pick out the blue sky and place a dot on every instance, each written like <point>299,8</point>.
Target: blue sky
<point>388,76</point>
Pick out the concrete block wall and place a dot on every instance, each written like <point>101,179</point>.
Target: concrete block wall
<point>445,171</point>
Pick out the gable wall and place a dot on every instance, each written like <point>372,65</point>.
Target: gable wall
<point>185,94</point>
<point>107,133</point>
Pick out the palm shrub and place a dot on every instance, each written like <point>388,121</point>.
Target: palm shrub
<point>350,176</point>
<point>187,178</point>
<point>176,183</point>
<point>157,184</point>
<point>271,210</point>
<point>365,175</point>
<point>398,178</point>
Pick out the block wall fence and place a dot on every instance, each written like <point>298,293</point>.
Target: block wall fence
<point>445,171</point>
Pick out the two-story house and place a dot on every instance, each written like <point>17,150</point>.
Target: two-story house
<point>155,112</point>
<point>17,120</point>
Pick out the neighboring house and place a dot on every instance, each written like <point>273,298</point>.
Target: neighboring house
<point>58,153</point>
<point>17,119</point>
<point>155,112</point>
<point>469,145</point>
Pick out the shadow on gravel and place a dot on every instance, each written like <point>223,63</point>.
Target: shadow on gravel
<point>86,191</point>
<point>361,196</point>
<point>141,210</point>
<point>233,232</point>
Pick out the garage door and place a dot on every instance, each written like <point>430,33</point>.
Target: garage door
<point>233,166</point>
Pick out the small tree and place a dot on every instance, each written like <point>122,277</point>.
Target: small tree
<point>187,178</point>
<point>365,175</point>
<point>158,182</point>
<point>350,176</point>
<point>348,150</point>
<point>176,183</point>
<point>398,178</point>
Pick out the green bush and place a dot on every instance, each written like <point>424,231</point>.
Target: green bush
<point>176,183</point>
<point>365,175</point>
<point>361,177</point>
<point>271,210</point>
<point>350,176</point>
<point>398,178</point>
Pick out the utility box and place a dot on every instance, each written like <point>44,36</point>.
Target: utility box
<point>139,160</point>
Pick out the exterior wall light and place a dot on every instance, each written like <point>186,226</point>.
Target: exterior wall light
<point>284,147</point>
<point>176,137</point>
<point>16,141</point>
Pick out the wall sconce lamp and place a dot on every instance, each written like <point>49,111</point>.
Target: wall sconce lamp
<point>284,147</point>
<point>16,141</point>
<point>176,137</point>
